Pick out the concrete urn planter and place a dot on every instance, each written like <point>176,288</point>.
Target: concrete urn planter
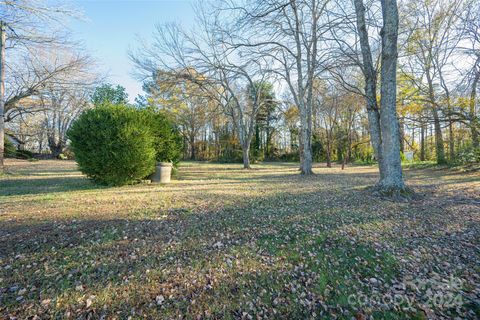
<point>163,173</point>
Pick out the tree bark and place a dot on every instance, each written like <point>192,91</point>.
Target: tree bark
<point>246,157</point>
<point>3,38</point>
<point>402,135</point>
<point>451,139</point>
<point>370,86</point>
<point>56,149</point>
<point>268,142</point>
<point>300,149</point>
<point>422,142</point>
<point>304,91</point>
<point>474,126</point>
<point>329,151</point>
<point>439,148</point>
<point>414,130</point>
<point>392,182</point>
<point>306,142</point>
<point>192,147</point>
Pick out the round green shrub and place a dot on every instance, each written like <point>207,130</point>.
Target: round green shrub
<point>168,142</point>
<point>113,144</point>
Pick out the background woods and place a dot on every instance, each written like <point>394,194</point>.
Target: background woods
<point>267,80</point>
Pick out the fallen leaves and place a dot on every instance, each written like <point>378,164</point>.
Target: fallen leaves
<point>228,243</point>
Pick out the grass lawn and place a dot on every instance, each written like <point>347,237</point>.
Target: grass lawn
<point>221,242</point>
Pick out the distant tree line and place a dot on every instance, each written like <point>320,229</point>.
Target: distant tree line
<point>344,81</point>
<point>300,80</point>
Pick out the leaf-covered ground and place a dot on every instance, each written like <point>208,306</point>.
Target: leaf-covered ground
<point>220,242</point>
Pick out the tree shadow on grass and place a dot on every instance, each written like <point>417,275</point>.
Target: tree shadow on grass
<point>217,259</point>
<point>26,186</point>
<point>222,260</point>
<point>190,249</point>
<point>128,262</point>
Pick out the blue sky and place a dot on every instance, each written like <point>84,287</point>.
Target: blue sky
<point>113,25</point>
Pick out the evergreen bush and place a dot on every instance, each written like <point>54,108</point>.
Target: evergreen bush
<point>114,144</point>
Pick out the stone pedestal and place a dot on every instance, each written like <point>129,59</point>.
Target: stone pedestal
<point>163,173</point>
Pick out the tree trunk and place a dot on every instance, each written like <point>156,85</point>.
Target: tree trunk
<point>422,142</point>
<point>451,137</point>
<point>56,150</point>
<point>375,135</point>
<point>258,144</point>
<point>268,142</point>
<point>402,135</point>
<point>349,147</point>
<point>414,130</point>
<point>439,148</point>
<point>2,93</point>
<point>329,152</point>
<point>192,147</point>
<point>392,182</point>
<point>474,125</point>
<point>339,152</point>
<point>370,86</point>
<point>306,156</point>
<point>305,140</point>
<point>300,149</point>
<point>345,160</point>
<point>246,157</point>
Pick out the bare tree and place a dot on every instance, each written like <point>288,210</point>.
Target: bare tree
<point>385,120</point>
<point>25,24</point>
<point>61,107</point>
<point>29,76</point>
<point>471,25</point>
<point>392,181</point>
<point>472,110</point>
<point>433,40</point>
<point>370,75</point>
<point>329,110</point>
<point>2,91</point>
<point>290,33</point>
<point>59,84</point>
<point>228,73</point>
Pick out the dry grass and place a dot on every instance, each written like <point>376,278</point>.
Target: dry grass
<point>220,242</point>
